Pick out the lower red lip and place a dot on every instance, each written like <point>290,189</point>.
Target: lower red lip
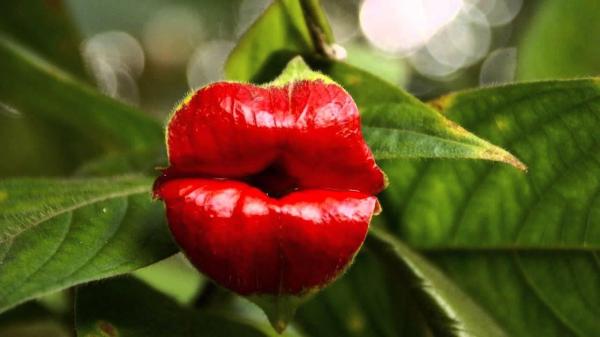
<point>251,243</point>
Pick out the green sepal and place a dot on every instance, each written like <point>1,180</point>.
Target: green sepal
<point>280,309</point>
<point>297,70</point>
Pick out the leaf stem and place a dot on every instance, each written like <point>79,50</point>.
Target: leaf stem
<point>317,27</point>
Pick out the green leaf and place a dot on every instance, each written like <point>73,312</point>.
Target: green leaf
<point>449,311</point>
<point>297,70</point>
<point>85,122</point>
<point>33,146</point>
<point>126,308</point>
<point>529,242</point>
<point>561,41</point>
<point>279,309</point>
<point>58,233</point>
<point>397,125</point>
<point>46,27</point>
<point>42,89</point>
<point>219,300</point>
<point>367,58</point>
<point>359,304</point>
<point>278,35</point>
<point>392,291</point>
<point>132,162</point>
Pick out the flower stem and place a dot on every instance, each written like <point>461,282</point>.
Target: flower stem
<point>318,27</point>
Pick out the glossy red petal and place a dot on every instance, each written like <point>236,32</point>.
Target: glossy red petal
<point>325,148</point>
<point>253,244</point>
<point>226,130</point>
<point>309,130</point>
<point>321,232</point>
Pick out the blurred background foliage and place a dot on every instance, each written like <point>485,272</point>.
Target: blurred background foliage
<point>149,53</point>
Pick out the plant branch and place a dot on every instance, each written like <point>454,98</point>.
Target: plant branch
<point>311,10</point>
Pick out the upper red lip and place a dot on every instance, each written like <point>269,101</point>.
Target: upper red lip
<point>301,145</point>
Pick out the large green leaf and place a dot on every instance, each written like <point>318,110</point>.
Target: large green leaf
<point>446,309</point>
<point>392,291</point>
<point>561,41</point>
<point>42,89</point>
<point>111,164</point>
<point>126,308</point>
<point>528,242</point>
<point>397,125</point>
<point>360,304</point>
<point>80,115</point>
<point>57,233</point>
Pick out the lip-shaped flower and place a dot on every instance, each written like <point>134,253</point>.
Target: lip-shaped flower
<point>270,189</point>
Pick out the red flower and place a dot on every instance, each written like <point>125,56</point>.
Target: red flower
<point>270,189</point>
